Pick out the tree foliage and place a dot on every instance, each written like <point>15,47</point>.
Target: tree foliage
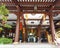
<point>3,10</point>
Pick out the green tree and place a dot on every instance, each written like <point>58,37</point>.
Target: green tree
<point>3,10</point>
<point>4,14</point>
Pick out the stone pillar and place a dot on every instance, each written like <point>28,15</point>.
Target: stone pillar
<point>17,29</point>
<point>52,27</point>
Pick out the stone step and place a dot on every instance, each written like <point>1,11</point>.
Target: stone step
<point>29,45</point>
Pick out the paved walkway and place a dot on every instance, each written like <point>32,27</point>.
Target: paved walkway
<point>29,45</point>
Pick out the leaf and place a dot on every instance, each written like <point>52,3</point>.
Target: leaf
<point>7,26</point>
<point>3,10</point>
<point>4,18</point>
<point>5,41</point>
<point>1,28</point>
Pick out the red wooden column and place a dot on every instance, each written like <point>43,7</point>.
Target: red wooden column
<point>52,27</point>
<point>17,33</point>
<point>17,29</point>
<point>24,34</point>
<point>39,33</point>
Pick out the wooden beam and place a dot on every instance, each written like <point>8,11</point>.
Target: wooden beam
<point>41,26</point>
<point>30,3</point>
<point>35,19</point>
<point>40,11</point>
<point>37,3</point>
<point>31,11</point>
<point>15,1</point>
<point>29,19</point>
<point>11,7</point>
<point>27,3</point>
<point>53,5</point>
<point>39,8</point>
<point>56,2</point>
